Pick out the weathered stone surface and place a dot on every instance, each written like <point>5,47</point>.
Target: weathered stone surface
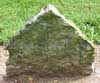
<point>49,44</point>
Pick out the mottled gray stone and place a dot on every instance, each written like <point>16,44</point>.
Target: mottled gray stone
<point>51,45</point>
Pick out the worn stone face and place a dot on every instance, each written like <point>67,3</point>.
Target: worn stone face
<point>51,45</point>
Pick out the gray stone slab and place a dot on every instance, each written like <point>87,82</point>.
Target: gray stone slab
<point>52,45</point>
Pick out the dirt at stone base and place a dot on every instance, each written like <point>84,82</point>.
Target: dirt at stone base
<point>32,78</point>
<point>88,79</point>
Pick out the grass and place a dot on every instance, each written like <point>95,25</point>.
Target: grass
<point>84,13</point>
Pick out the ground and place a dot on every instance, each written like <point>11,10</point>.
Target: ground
<point>93,78</point>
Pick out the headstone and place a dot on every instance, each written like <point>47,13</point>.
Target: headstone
<point>52,45</point>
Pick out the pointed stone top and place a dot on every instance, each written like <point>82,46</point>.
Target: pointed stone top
<point>47,9</point>
<point>50,8</point>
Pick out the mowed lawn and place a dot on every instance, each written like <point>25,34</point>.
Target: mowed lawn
<point>84,13</point>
